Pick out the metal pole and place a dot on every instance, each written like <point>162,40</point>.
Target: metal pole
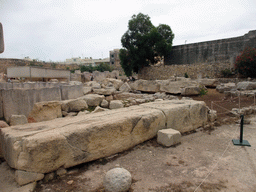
<point>241,128</point>
<point>241,142</point>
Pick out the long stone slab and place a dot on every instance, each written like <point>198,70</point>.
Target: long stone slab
<point>65,142</point>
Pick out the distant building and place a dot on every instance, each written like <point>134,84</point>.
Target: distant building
<point>27,59</point>
<point>86,61</point>
<point>114,58</point>
<point>74,60</point>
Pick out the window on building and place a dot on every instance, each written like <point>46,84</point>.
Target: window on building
<point>112,55</point>
<point>112,62</point>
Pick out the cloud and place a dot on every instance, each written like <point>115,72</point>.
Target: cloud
<point>56,30</point>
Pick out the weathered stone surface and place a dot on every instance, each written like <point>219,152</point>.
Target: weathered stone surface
<point>18,120</point>
<point>109,98</point>
<point>49,176</point>
<point>93,100</point>
<point>21,101</point>
<point>26,188</point>
<point>117,180</point>
<point>46,146</point>
<point>99,109</point>
<point>182,115</point>
<point>189,91</point>
<point>93,84</point>
<point>24,177</point>
<point>74,105</point>
<point>105,91</point>
<point>117,83</point>
<point>115,104</point>
<point>54,81</point>
<point>225,87</point>
<point>83,113</point>
<point>45,111</point>
<point>61,171</point>
<point>87,90</point>
<point>168,137</point>
<point>211,83</point>
<point>71,114</point>
<point>146,86</point>
<point>104,103</point>
<point>246,85</point>
<point>125,87</point>
<point>3,124</point>
<point>71,91</point>
<point>139,101</point>
<point>175,87</point>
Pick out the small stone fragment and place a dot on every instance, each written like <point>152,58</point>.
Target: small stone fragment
<point>24,177</point>
<point>61,171</point>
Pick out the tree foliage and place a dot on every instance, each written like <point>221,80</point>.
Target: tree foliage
<point>101,67</point>
<point>246,63</point>
<point>143,43</point>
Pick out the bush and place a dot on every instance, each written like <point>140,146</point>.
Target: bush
<point>101,67</point>
<point>226,73</point>
<point>203,91</point>
<point>186,75</point>
<point>246,63</point>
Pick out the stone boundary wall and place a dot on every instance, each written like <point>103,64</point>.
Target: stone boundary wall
<point>194,71</point>
<point>19,98</point>
<point>5,63</point>
<point>217,51</point>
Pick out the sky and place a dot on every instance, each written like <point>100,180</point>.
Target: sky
<point>54,30</point>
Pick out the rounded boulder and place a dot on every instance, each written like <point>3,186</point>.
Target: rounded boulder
<point>117,180</point>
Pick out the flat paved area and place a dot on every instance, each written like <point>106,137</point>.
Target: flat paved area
<point>204,161</point>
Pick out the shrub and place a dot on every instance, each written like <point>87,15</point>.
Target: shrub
<point>186,75</point>
<point>203,91</point>
<point>226,73</point>
<point>101,67</point>
<point>246,63</point>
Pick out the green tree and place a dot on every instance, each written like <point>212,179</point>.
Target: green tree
<point>104,67</point>
<point>143,43</point>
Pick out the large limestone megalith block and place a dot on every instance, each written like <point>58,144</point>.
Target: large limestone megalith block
<point>176,87</point>
<point>46,146</point>
<point>146,85</point>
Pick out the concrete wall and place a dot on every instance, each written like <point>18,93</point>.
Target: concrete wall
<point>218,51</point>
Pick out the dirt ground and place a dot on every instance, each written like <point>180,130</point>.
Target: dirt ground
<point>206,160</point>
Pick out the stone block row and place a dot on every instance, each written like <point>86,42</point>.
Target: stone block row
<point>47,146</point>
